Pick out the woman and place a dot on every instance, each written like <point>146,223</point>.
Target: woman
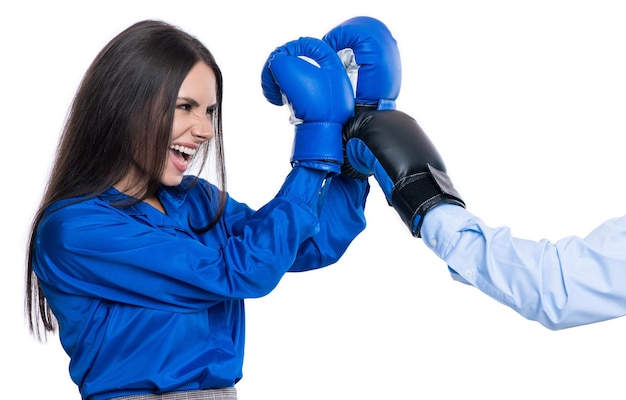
<point>143,268</point>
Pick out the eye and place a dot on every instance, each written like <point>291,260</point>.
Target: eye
<point>210,111</point>
<point>184,106</point>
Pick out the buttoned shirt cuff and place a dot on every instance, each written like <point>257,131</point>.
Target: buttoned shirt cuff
<point>441,231</point>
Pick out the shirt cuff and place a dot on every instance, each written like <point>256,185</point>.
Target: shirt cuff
<point>442,225</point>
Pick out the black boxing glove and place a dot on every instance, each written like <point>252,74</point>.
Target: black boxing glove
<point>392,147</point>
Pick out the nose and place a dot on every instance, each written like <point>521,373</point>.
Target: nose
<point>203,127</point>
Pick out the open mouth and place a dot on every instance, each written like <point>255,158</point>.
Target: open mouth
<point>186,153</point>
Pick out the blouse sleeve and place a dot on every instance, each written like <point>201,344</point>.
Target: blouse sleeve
<point>342,218</point>
<point>93,249</point>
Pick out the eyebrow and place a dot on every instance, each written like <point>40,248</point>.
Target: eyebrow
<point>189,100</point>
<point>193,102</point>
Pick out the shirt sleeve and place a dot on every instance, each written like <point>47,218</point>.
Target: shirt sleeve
<point>93,249</point>
<point>342,218</point>
<point>571,282</point>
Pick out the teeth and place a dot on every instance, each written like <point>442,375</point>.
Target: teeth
<point>183,149</point>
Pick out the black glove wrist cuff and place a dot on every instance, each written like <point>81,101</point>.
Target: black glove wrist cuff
<point>415,195</point>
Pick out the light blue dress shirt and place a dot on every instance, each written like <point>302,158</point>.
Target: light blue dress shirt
<point>571,282</point>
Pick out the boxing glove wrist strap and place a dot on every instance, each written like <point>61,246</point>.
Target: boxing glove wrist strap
<point>383,104</point>
<point>318,141</point>
<point>413,196</point>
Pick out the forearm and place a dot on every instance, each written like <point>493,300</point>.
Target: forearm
<point>568,283</point>
<point>342,218</point>
<point>96,250</point>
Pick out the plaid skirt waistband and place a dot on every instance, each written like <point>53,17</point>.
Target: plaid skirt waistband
<point>209,394</point>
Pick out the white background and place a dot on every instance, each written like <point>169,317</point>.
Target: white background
<point>524,100</point>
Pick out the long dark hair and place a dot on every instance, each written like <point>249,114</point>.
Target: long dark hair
<point>121,120</point>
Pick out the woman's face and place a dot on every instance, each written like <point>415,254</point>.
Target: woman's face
<point>193,122</point>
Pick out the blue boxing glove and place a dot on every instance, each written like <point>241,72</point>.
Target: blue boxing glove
<point>371,58</point>
<point>307,75</point>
